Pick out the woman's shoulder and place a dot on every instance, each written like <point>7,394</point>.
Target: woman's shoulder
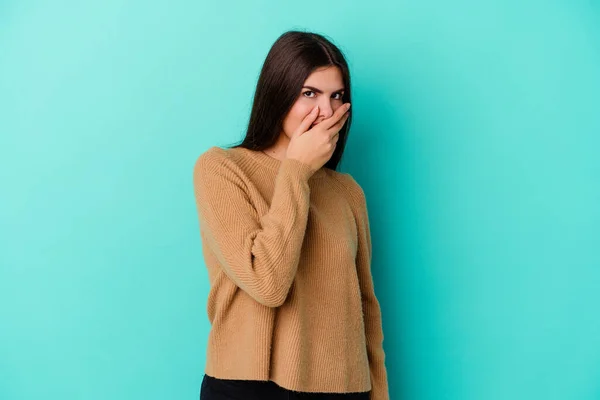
<point>217,157</point>
<point>353,189</point>
<point>213,154</point>
<point>221,162</point>
<point>220,154</point>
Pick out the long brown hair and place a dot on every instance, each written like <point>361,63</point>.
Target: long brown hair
<point>291,59</point>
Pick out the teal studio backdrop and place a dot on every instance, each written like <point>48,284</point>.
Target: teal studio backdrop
<point>476,138</point>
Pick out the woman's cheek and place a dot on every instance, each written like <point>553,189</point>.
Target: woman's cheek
<point>303,107</point>
<point>291,123</point>
<point>299,111</point>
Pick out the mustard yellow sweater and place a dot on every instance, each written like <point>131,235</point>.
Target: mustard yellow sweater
<point>288,252</point>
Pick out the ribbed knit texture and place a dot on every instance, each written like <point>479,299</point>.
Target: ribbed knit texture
<point>288,252</point>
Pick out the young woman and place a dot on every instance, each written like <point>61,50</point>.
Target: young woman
<point>286,241</point>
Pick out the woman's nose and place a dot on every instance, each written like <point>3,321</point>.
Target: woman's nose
<point>326,109</point>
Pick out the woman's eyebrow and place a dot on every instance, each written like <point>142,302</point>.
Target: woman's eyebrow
<point>314,89</point>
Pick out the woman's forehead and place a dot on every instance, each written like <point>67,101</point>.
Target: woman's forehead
<point>326,80</point>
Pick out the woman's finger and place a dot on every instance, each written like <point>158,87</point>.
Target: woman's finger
<point>335,118</point>
<point>337,126</point>
<point>307,121</point>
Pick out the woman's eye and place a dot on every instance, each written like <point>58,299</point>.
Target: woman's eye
<point>335,98</point>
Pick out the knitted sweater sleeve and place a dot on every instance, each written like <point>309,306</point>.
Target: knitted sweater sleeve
<point>370,304</point>
<point>260,253</point>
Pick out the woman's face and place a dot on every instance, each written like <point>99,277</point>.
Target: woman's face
<point>325,88</point>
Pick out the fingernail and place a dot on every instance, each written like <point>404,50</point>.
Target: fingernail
<point>348,105</point>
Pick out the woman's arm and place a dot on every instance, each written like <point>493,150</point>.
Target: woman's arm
<point>259,253</point>
<point>370,304</point>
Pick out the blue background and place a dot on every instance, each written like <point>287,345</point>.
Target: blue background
<point>475,137</point>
